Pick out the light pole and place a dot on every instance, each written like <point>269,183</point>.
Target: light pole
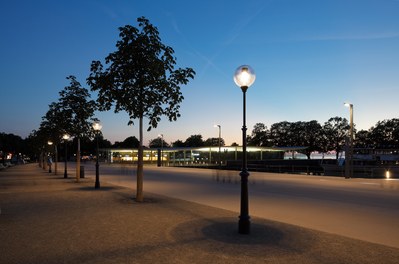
<point>349,171</point>
<point>97,127</point>
<point>220,144</point>
<point>161,137</point>
<point>65,137</point>
<point>244,77</point>
<point>49,161</point>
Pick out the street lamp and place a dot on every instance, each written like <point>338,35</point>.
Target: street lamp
<point>161,137</point>
<point>244,77</point>
<point>349,168</point>
<point>97,127</point>
<point>49,161</point>
<point>65,137</point>
<point>220,144</point>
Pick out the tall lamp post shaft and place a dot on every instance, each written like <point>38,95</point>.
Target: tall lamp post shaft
<point>244,77</point>
<point>351,141</point>
<point>65,161</point>
<point>97,127</point>
<point>65,137</point>
<point>244,218</point>
<point>97,185</point>
<point>349,155</point>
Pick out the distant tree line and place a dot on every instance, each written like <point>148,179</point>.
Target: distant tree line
<point>322,138</point>
<point>326,137</point>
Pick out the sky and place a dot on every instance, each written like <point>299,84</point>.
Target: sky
<point>309,56</point>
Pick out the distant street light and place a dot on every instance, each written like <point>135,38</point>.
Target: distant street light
<point>220,144</point>
<point>349,167</point>
<point>244,77</point>
<point>97,128</point>
<point>65,137</point>
<point>49,160</point>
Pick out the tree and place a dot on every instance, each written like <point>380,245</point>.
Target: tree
<point>307,134</point>
<point>363,139</point>
<point>77,110</point>
<point>178,144</point>
<point>141,79</point>
<point>158,142</point>
<point>129,142</point>
<point>280,134</point>
<point>259,136</point>
<point>214,142</point>
<point>10,143</point>
<point>194,141</point>
<point>385,133</point>
<point>335,130</point>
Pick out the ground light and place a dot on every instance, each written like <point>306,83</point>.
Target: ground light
<point>244,77</point>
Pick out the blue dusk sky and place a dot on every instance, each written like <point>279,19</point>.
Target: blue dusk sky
<point>310,56</point>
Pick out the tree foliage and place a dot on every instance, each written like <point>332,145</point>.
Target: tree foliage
<point>77,109</point>
<point>158,142</point>
<point>335,131</point>
<point>194,141</point>
<point>140,79</point>
<point>214,142</point>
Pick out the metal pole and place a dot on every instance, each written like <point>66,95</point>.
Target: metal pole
<point>65,167</point>
<point>161,150</point>
<point>97,185</point>
<point>244,222</point>
<point>351,141</point>
<point>220,134</point>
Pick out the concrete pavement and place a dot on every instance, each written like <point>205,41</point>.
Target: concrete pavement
<point>47,219</point>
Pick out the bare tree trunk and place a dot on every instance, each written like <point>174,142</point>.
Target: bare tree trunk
<point>139,191</point>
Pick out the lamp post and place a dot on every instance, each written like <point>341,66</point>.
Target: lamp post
<point>349,170</point>
<point>49,161</point>
<point>220,144</point>
<point>244,77</point>
<point>97,127</point>
<point>161,137</point>
<point>65,137</point>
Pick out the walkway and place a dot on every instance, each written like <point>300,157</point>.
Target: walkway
<point>47,219</point>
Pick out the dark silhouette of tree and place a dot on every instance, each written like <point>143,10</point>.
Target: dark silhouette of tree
<point>307,134</point>
<point>280,134</point>
<point>178,144</point>
<point>129,142</point>
<point>363,139</point>
<point>141,79</point>
<point>158,143</point>
<point>194,141</point>
<point>335,130</point>
<point>260,136</point>
<point>77,110</point>
<point>10,143</point>
<point>385,134</point>
<point>214,142</point>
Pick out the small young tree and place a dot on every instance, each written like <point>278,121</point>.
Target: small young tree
<point>142,80</point>
<point>78,111</point>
